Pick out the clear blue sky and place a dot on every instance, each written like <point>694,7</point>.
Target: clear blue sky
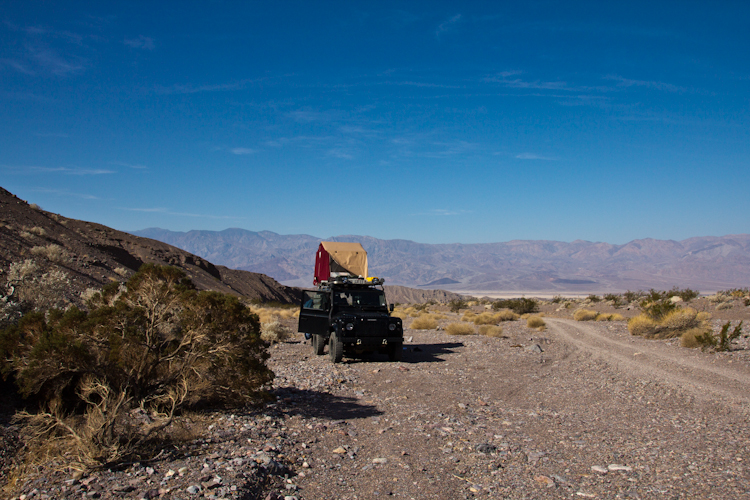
<point>430,121</point>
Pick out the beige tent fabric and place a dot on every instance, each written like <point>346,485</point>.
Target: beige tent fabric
<point>350,256</point>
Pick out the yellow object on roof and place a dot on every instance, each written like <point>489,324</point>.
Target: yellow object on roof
<point>351,257</point>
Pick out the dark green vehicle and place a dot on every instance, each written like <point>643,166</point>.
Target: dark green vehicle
<point>348,312</point>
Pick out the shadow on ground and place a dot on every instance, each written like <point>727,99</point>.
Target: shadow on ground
<point>322,405</point>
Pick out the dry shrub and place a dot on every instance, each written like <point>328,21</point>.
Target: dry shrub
<point>460,329</point>
<point>506,315</point>
<point>485,319</point>
<point>39,231</point>
<point>274,332</point>
<point>681,319</point>
<point>113,379</point>
<point>642,326</point>
<point>491,331</point>
<point>535,322</point>
<point>399,313</point>
<point>468,316</point>
<point>424,322</point>
<point>616,317</point>
<point>121,271</point>
<point>689,338</point>
<point>585,315</point>
<point>26,235</point>
<point>37,289</point>
<point>52,252</point>
<point>674,324</point>
<point>603,317</point>
<point>525,315</point>
<point>724,305</point>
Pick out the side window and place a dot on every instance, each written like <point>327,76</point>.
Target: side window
<point>315,300</point>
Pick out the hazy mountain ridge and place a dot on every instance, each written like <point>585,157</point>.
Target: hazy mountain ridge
<point>706,263</point>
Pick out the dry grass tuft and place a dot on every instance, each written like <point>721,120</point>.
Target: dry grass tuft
<point>506,315</point>
<point>468,316</point>
<point>424,322</point>
<point>689,338</point>
<point>274,332</point>
<point>485,319</point>
<point>585,315</point>
<point>491,331</point>
<point>535,322</point>
<point>642,326</point>
<point>39,231</point>
<point>460,329</point>
<point>617,317</point>
<point>53,253</point>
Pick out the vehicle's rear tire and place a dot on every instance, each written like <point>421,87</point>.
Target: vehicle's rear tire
<point>335,348</point>
<point>318,344</point>
<point>395,352</point>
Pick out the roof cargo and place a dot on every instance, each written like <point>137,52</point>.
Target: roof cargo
<point>335,259</point>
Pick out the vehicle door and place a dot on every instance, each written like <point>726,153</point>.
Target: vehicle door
<point>314,312</point>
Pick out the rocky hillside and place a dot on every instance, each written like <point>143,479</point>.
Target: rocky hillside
<point>704,263</point>
<point>90,255</point>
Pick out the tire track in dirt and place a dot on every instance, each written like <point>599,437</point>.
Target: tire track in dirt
<point>702,374</point>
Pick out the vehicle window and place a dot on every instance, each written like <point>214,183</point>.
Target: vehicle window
<point>315,300</point>
<point>359,298</point>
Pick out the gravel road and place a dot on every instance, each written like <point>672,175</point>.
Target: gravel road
<point>580,410</point>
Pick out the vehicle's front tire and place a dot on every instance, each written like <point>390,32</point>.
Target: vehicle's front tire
<point>395,352</point>
<point>318,344</point>
<point>335,348</point>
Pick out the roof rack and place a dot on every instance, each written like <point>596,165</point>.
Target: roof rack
<point>347,280</point>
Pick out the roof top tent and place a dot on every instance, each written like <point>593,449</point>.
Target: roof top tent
<point>335,259</point>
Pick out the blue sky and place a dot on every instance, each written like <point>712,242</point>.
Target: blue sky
<point>430,121</point>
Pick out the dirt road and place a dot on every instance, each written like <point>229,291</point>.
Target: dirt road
<point>581,410</point>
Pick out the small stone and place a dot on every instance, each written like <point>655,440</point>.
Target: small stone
<point>339,451</point>
<point>534,348</point>
<point>182,471</point>
<point>545,481</point>
<point>599,469</point>
<point>618,467</point>
<point>379,460</point>
<point>290,497</point>
<point>193,489</point>
<point>305,465</point>
<point>170,473</point>
<point>486,448</point>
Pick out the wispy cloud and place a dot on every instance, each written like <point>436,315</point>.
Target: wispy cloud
<point>342,153</point>
<point>510,80</point>
<point>242,151</point>
<point>63,192</point>
<point>448,25</point>
<point>195,89</point>
<point>167,211</point>
<point>136,166</point>
<point>73,171</point>
<point>140,42</point>
<point>626,82</point>
<point>532,156</point>
<point>310,116</point>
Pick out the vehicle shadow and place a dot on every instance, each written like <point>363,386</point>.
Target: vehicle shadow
<point>415,353</point>
<point>318,404</point>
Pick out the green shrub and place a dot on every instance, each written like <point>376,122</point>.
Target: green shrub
<point>723,341</point>
<point>616,300</point>
<point>593,298</point>
<point>456,305</point>
<point>632,296</point>
<point>150,350</point>
<point>518,306</point>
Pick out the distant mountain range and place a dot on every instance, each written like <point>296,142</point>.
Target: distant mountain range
<point>705,263</point>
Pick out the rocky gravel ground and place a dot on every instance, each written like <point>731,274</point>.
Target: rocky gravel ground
<point>574,411</point>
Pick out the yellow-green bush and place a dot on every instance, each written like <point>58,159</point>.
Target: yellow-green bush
<point>460,329</point>
<point>585,315</point>
<point>424,322</point>
<point>535,322</point>
<point>468,316</point>
<point>491,331</point>
<point>675,323</point>
<point>485,319</point>
<point>642,326</point>
<point>506,315</point>
<point>616,317</point>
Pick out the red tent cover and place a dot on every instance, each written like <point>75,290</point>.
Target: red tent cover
<point>322,266</point>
